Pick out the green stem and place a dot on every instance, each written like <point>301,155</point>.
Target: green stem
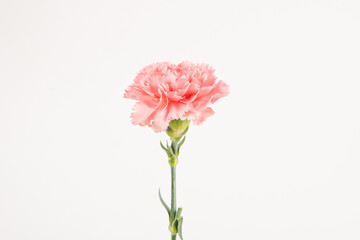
<point>173,196</point>
<point>173,190</point>
<point>174,146</point>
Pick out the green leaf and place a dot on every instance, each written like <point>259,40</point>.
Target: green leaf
<point>173,226</point>
<point>164,204</point>
<point>180,228</point>
<point>162,146</point>
<point>174,147</point>
<point>181,143</point>
<point>178,213</point>
<point>170,150</point>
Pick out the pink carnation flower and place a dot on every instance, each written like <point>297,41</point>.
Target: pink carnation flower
<point>167,91</point>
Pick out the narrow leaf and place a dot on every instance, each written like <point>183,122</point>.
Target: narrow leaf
<point>170,150</point>
<point>182,141</point>
<point>175,148</point>
<point>178,213</point>
<point>162,146</point>
<point>164,204</point>
<point>180,228</point>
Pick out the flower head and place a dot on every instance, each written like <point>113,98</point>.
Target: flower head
<point>167,91</point>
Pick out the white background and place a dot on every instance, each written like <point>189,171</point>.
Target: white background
<point>280,159</point>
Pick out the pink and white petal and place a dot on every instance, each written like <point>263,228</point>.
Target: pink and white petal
<point>173,96</point>
<point>159,116</point>
<point>204,91</point>
<point>181,84</point>
<point>190,98</point>
<point>189,114</point>
<point>191,92</point>
<point>203,115</point>
<point>206,74</point>
<point>136,93</point>
<point>200,104</point>
<point>141,114</point>
<point>220,90</point>
<point>159,123</point>
<point>209,80</point>
<point>176,110</point>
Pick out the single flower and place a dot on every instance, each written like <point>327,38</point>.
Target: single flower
<point>167,91</point>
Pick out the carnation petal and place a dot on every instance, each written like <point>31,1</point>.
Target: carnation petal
<point>141,114</point>
<point>173,96</point>
<point>166,91</point>
<point>201,103</point>
<point>159,116</point>
<point>176,110</point>
<point>220,90</point>
<point>137,93</point>
<point>160,124</point>
<point>204,114</point>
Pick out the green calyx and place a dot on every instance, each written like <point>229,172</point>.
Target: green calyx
<point>177,129</point>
